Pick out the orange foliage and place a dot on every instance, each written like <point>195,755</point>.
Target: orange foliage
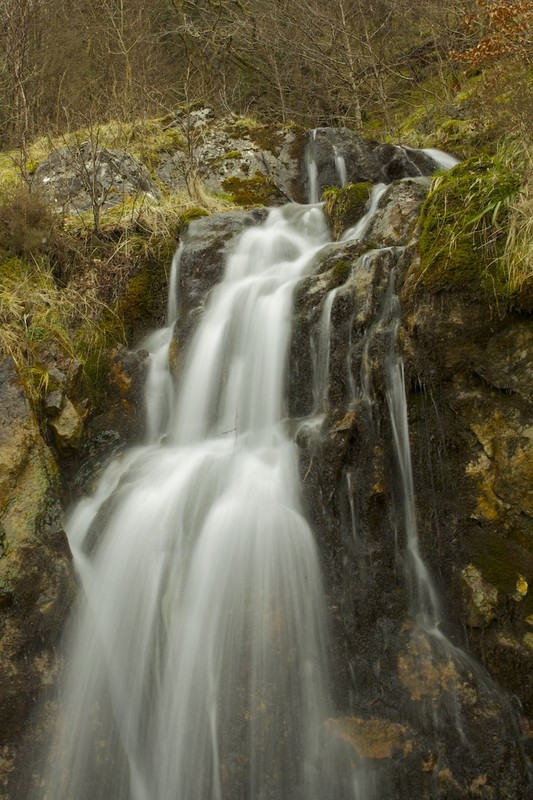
<point>503,28</point>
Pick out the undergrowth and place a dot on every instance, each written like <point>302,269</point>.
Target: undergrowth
<point>476,230</point>
<point>42,323</point>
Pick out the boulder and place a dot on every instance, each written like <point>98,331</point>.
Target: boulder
<point>253,162</point>
<point>79,178</point>
<point>363,160</point>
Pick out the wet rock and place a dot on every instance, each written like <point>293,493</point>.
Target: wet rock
<point>461,449</point>
<point>506,363</point>
<point>77,178</point>
<point>471,427</point>
<point>373,738</point>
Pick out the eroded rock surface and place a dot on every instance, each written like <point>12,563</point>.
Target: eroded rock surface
<point>35,572</point>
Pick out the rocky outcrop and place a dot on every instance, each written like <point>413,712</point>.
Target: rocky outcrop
<point>36,584</point>
<point>479,413</point>
<point>462,701</point>
<point>236,156</point>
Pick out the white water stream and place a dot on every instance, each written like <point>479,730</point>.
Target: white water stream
<point>199,667</point>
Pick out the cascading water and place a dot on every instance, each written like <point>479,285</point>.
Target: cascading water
<point>360,228</point>
<point>198,668</point>
<point>313,191</point>
<point>340,165</point>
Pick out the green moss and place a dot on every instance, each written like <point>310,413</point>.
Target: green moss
<point>463,228</point>
<point>267,137</point>
<point>343,207</point>
<point>341,269</point>
<point>152,140</point>
<point>140,307</point>
<point>258,190</point>
<point>189,215</point>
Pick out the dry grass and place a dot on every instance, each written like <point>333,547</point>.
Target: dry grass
<point>518,254</point>
<point>40,321</point>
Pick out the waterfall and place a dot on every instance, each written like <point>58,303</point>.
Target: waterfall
<point>313,189</point>
<point>321,351</point>
<point>198,664</point>
<point>340,165</point>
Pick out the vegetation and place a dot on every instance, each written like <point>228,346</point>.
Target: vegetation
<point>458,76</point>
<point>257,190</point>
<point>43,325</point>
<point>347,62</point>
<point>476,231</point>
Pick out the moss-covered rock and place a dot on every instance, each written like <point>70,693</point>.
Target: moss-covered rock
<point>345,206</point>
<point>141,307</point>
<point>189,215</point>
<point>463,229</point>
<point>258,190</point>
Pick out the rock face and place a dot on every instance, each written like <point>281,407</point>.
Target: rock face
<point>478,411</point>
<point>35,574</point>
<point>469,411</point>
<point>429,711</point>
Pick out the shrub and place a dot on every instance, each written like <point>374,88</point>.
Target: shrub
<point>30,229</point>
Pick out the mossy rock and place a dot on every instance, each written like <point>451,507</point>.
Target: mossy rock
<point>463,227</point>
<point>267,137</point>
<point>345,206</point>
<point>189,215</point>
<point>258,190</point>
<point>142,306</point>
<point>152,141</point>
